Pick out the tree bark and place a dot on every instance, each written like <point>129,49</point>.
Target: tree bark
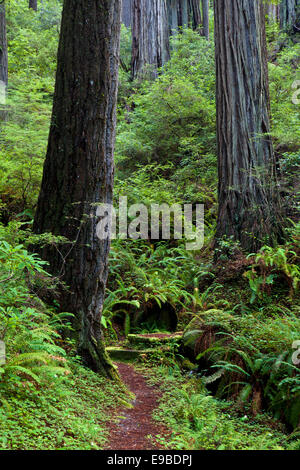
<point>3,61</point>
<point>205,14</point>
<point>127,13</point>
<point>248,199</point>
<point>183,13</point>
<point>272,12</point>
<point>150,36</point>
<point>78,171</point>
<point>288,13</point>
<point>3,46</point>
<point>195,13</point>
<point>33,5</point>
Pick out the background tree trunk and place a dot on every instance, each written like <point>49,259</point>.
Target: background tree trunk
<point>248,201</point>
<point>33,4</point>
<point>272,12</point>
<point>288,13</point>
<point>78,171</point>
<point>3,46</point>
<point>3,62</point>
<point>195,13</point>
<point>183,13</point>
<point>205,14</point>
<point>127,13</point>
<point>150,36</point>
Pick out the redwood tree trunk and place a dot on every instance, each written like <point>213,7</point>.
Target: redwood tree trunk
<point>248,201</point>
<point>127,13</point>
<point>205,13</point>
<point>288,13</point>
<point>78,171</point>
<point>33,4</point>
<point>3,46</point>
<point>272,12</point>
<point>150,36</point>
<point>183,13</point>
<point>195,13</point>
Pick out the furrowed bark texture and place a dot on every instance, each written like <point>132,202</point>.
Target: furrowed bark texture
<point>78,171</point>
<point>248,201</point>
<point>127,13</point>
<point>272,12</point>
<point>3,46</point>
<point>153,21</point>
<point>195,13</point>
<point>205,13</point>
<point>150,36</point>
<point>288,13</point>
<point>33,4</point>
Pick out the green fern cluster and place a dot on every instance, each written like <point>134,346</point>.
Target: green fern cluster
<point>28,329</point>
<point>142,274</point>
<point>269,264</point>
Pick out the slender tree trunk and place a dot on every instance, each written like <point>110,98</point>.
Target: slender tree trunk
<point>33,5</point>
<point>127,13</point>
<point>3,46</point>
<point>288,13</point>
<point>78,171</point>
<point>150,36</point>
<point>205,13</point>
<point>3,61</point>
<point>248,200</point>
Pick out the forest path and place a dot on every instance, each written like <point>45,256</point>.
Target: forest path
<point>136,424</point>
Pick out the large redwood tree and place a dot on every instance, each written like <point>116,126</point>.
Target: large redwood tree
<point>150,36</point>
<point>248,199</point>
<point>78,171</point>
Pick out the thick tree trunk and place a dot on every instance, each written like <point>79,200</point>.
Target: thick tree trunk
<point>127,13</point>
<point>150,36</point>
<point>205,14</point>
<point>3,61</point>
<point>288,13</point>
<point>33,4</point>
<point>78,171</point>
<point>248,201</point>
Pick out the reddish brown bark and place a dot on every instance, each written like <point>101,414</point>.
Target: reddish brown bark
<point>248,198</point>
<point>78,171</point>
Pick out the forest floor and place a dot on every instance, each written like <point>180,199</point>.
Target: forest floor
<point>135,429</point>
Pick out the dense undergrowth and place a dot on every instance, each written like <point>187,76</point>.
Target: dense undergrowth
<point>199,421</point>
<point>246,306</point>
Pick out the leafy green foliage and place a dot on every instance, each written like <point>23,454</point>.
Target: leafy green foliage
<point>269,264</point>
<point>71,413</point>
<point>32,43</point>
<point>165,153</point>
<point>170,122</point>
<point>201,422</point>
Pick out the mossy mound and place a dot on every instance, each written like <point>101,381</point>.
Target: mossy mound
<point>154,340</point>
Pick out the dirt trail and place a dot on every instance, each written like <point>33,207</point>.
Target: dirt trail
<point>131,432</point>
